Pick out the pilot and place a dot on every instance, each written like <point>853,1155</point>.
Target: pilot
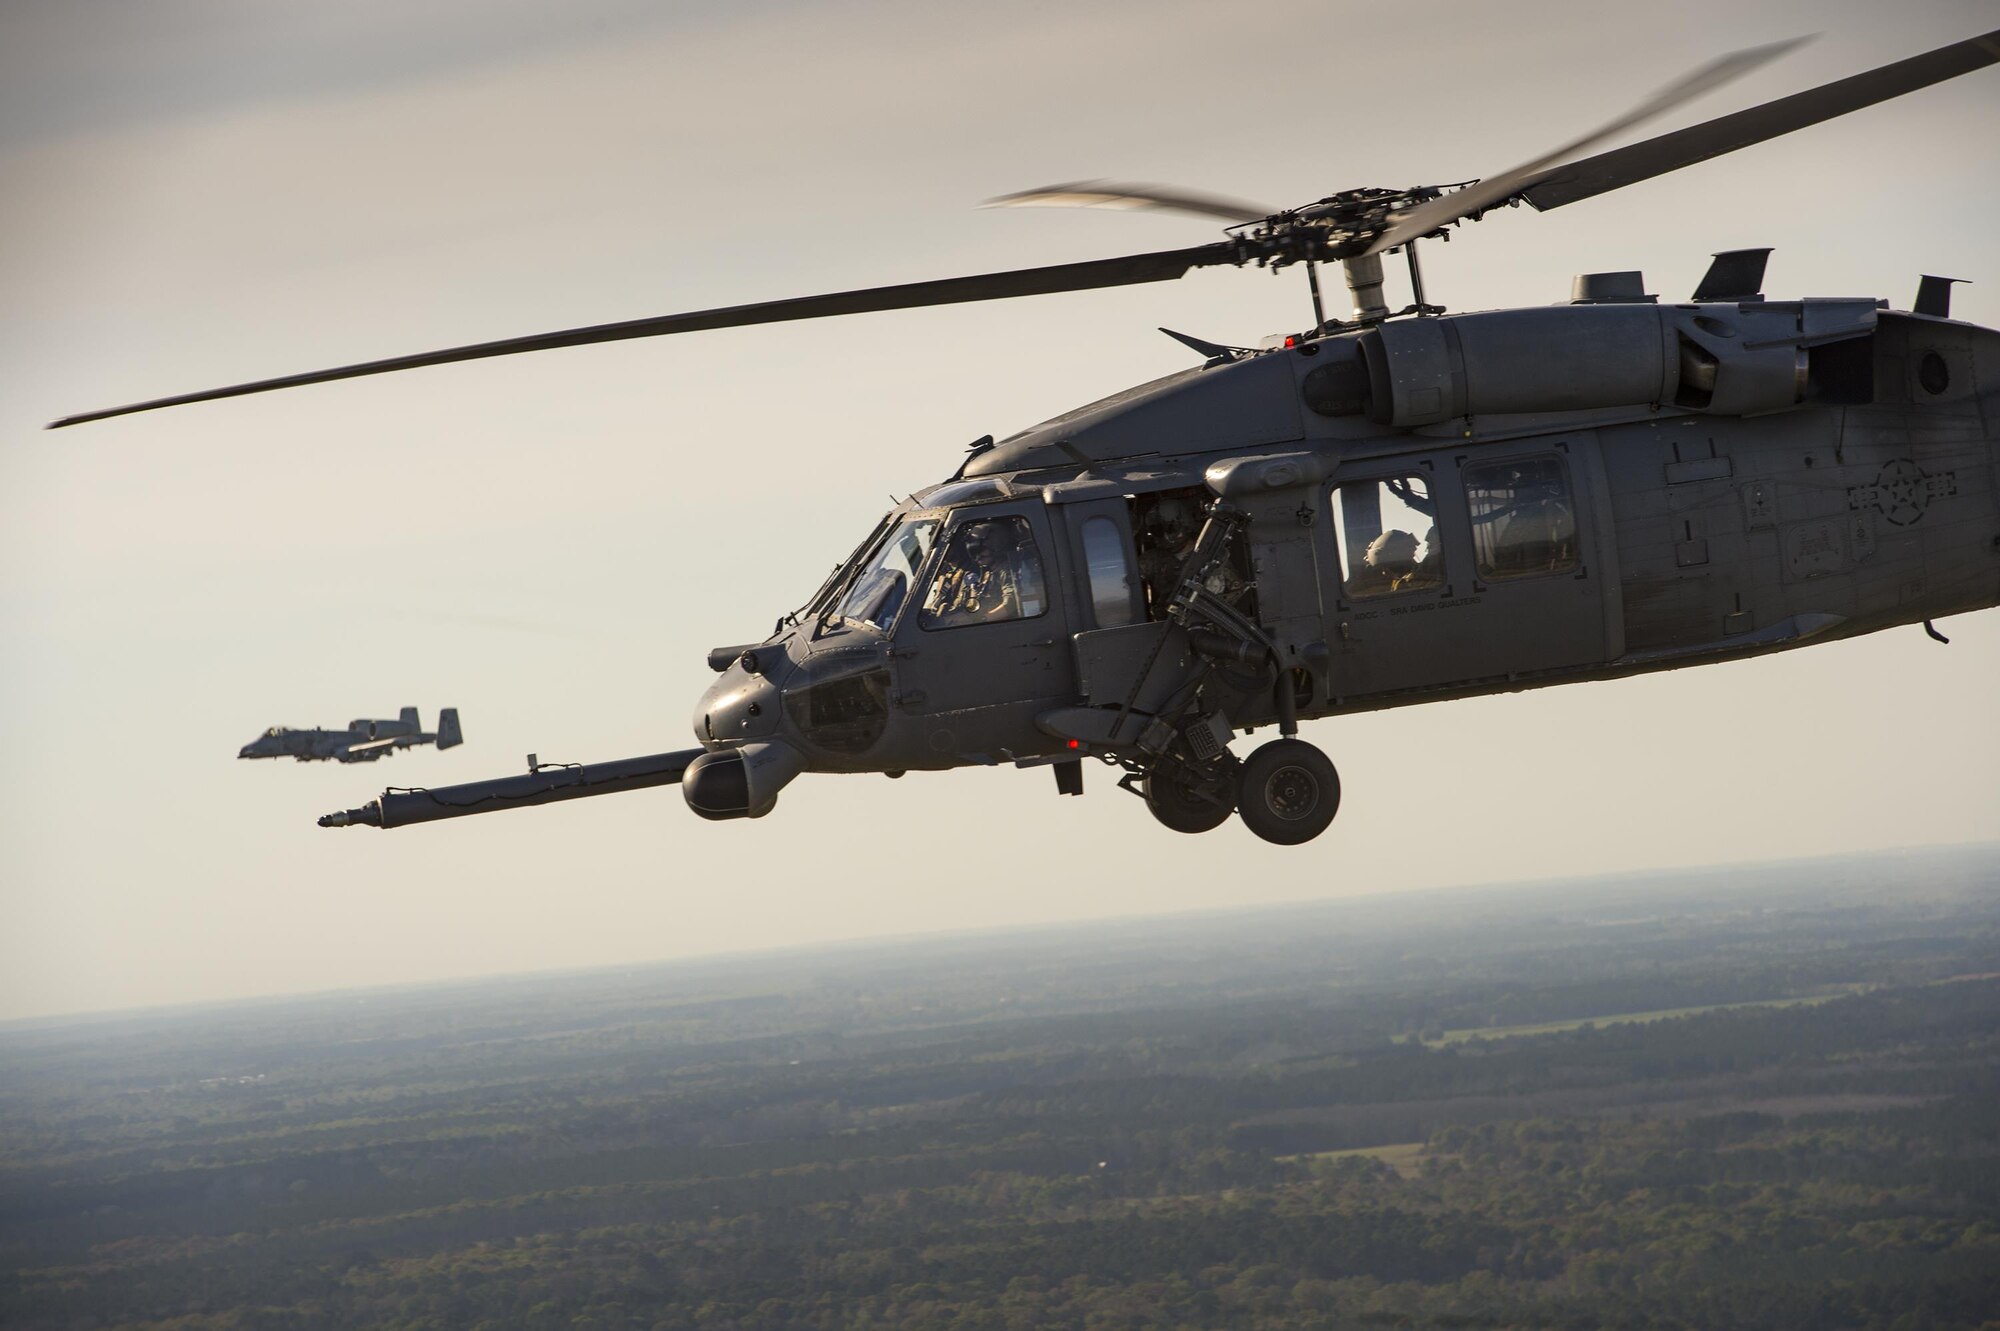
<point>1388,564</point>
<point>978,583</point>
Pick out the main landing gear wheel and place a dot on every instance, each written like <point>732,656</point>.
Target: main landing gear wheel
<point>1288,792</point>
<point>1192,797</point>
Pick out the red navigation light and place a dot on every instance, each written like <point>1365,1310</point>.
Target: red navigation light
<point>1076,744</point>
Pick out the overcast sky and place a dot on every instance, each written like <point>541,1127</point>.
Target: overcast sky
<point>199,192</point>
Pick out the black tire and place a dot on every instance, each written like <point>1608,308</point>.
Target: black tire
<point>1288,792</point>
<point>1190,798</point>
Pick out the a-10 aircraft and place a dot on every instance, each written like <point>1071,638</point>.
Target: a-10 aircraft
<point>362,742</point>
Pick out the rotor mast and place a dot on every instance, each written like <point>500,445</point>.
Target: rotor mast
<point>1364,284</point>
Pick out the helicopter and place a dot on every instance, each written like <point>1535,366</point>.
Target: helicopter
<point>1395,507</point>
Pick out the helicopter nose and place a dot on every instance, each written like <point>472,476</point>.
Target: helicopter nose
<point>739,706</point>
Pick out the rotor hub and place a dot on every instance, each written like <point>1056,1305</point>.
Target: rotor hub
<point>1339,226</point>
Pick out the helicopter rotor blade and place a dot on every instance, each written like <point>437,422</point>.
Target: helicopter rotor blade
<point>1131,197</point>
<point>1425,218</point>
<point>1127,270</point>
<point>1697,143</point>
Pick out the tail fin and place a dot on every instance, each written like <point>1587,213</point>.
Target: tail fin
<point>449,735</point>
<point>408,716</point>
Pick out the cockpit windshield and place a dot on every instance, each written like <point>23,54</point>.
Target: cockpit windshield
<point>883,583</point>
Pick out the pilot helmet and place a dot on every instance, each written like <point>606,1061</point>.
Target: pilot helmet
<point>993,536</point>
<point>1392,547</point>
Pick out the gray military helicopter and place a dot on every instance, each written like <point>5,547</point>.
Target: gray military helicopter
<point>1392,508</point>
<point>362,742</point>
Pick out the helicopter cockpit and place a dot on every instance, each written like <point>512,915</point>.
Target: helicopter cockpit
<point>870,587</point>
<point>992,569</point>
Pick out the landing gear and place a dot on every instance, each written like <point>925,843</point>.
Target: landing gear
<point>1287,792</point>
<point>1192,797</point>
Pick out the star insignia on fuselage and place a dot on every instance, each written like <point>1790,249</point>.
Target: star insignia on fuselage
<point>1903,491</point>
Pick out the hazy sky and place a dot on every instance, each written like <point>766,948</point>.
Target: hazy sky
<point>198,192</point>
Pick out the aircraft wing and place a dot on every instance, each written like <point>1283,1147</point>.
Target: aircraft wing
<point>367,751</point>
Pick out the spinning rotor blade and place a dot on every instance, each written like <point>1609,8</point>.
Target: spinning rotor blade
<point>1129,270</point>
<point>1684,147</point>
<point>1133,198</point>
<point>1425,218</point>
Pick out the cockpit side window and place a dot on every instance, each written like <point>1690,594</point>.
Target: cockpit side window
<point>1388,537</point>
<point>991,573</point>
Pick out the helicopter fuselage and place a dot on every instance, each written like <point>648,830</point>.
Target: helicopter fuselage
<point>1407,527</point>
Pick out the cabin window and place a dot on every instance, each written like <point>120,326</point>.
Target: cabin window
<point>1388,537</point>
<point>1110,571</point>
<point>1523,521</point>
<point>991,573</point>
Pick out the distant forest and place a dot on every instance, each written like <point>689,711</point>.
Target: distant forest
<point>1747,1098</point>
